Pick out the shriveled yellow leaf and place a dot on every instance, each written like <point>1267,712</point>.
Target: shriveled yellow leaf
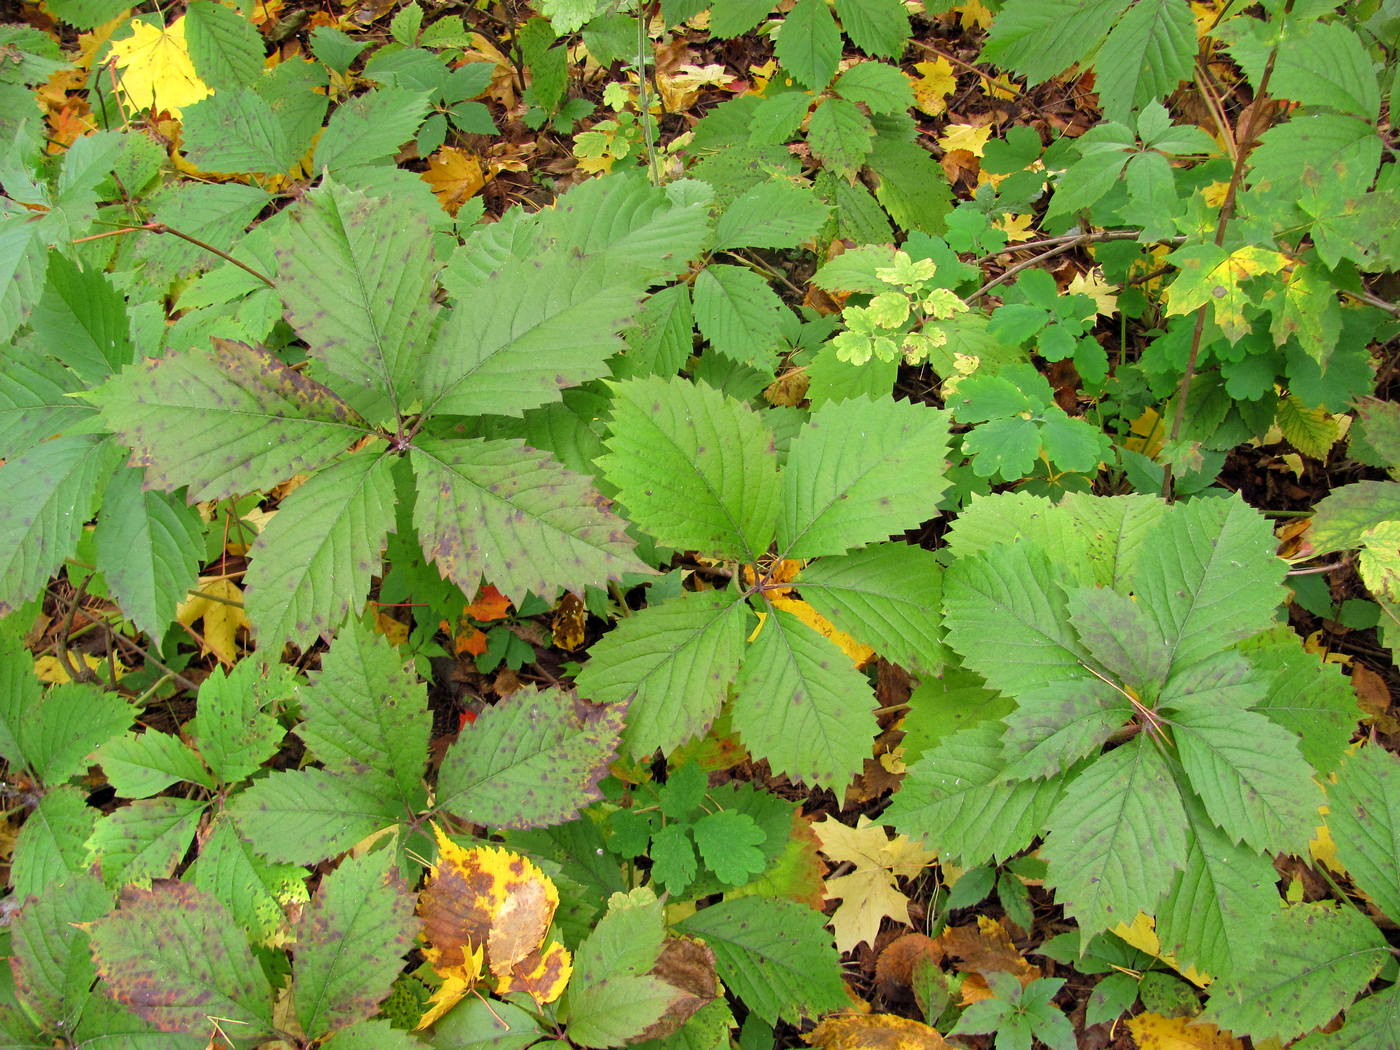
<point>154,69</point>
<point>874,1032</point>
<point>219,604</point>
<point>455,176</point>
<point>1141,933</point>
<point>680,89</point>
<point>935,82</point>
<point>1155,1032</point>
<point>1093,285</point>
<point>966,137</point>
<point>50,670</point>
<point>868,894</point>
<point>858,652</point>
<point>452,991</point>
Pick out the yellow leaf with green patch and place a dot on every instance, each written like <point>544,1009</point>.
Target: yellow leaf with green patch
<point>1312,431</point>
<point>1211,276</point>
<point>1380,560</point>
<point>1155,1032</point>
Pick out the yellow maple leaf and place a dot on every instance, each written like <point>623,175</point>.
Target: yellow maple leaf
<point>1155,1032</point>
<point>219,604</point>
<point>973,14</point>
<point>868,894</point>
<point>155,70</point>
<point>1093,285</point>
<point>936,81</point>
<point>965,137</point>
<point>1016,227</point>
<point>455,176</point>
<point>874,1032</point>
<point>1141,933</point>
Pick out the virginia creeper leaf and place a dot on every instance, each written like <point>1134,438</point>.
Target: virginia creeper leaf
<point>145,840</point>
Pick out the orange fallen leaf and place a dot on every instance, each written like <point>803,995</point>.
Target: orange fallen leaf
<point>1155,1032</point>
<point>455,177</point>
<point>490,605</point>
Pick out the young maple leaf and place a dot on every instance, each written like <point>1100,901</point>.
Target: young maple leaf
<point>965,137</point>
<point>155,69</point>
<point>868,894</point>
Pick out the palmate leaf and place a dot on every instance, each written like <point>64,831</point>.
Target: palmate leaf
<point>1314,959</point>
<point>1116,837</point>
<point>1216,913</point>
<point>860,470</point>
<point>367,716</point>
<point>172,955</point>
<point>508,512</point>
<point>801,705</point>
<point>957,799</point>
<point>1123,640</point>
<point>694,468</point>
<point>231,421</point>
<point>49,492</point>
<point>149,546</point>
<point>357,276</point>
<point>312,563</point>
<point>1364,818</point>
<point>672,663</point>
<point>533,759</point>
<point>887,596</point>
<point>351,943</point>
<point>1209,576</point>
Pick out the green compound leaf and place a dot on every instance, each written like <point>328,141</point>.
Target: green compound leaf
<point>877,27</point>
<point>303,816</point>
<point>859,471</point>
<point>312,563</point>
<point>173,956</point>
<point>1122,638</point>
<point>1217,911</point>
<point>673,862</point>
<point>1055,726</point>
<point>254,891</point>
<point>728,841</point>
<point>1146,55</point>
<point>53,968</point>
<point>368,130</point>
<point>771,215</point>
<point>1364,818</point>
<point>774,954</point>
<point>145,840</point>
<point>357,276</point>
<point>694,468</point>
<point>809,44</point>
<point>1249,774</point>
<point>231,421</point>
<point>231,730</point>
<point>367,716</point>
<point>1116,837</point>
<point>351,943</point>
<point>534,759</point>
<point>885,596</point>
<point>672,663</point>
<point>49,492</point>
<point>1209,577</point>
<point>138,766</point>
<point>1314,959</point>
<point>1005,612</point>
<point>505,511</point>
<point>740,315</point>
<point>51,847</point>
<point>801,705</point>
<point>149,546</point>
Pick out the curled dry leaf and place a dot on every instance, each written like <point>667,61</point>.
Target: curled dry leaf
<point>688,965</point>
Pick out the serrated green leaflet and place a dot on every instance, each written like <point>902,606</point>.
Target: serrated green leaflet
<point>238,132</point>
<point>771,215</point>
<point>1055,726</point>
<point>800,704</point>
<point>253,890</point>
<point>303,816</point>
<point>886,596</point>
<point>1364,818</point>
<point>53,968</point>
<point>532,760</point>
<point>860,470</point>
<point>225,47</point>
<point>63,729</point>
<point>672,663</point>
<point>1314,959</point>
<point>1145,56</point>
<point>81,320</point>
<point>367,717</point>
<point>51,846</point>
<point>232,732</point>
<point>504,511</point>
<point>173,956</point>
<point>809,46</point>
<point>141,765</point>
<point>351,943</point>
<point>739,314</point>
<point>234,420</point>
<point>312,563</point>
<point>774,953</point>
<point>694,468</point>
<point>34,401</point>
<point>1116,837</point>
<point>358,288</point>
<point>145,840</point>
